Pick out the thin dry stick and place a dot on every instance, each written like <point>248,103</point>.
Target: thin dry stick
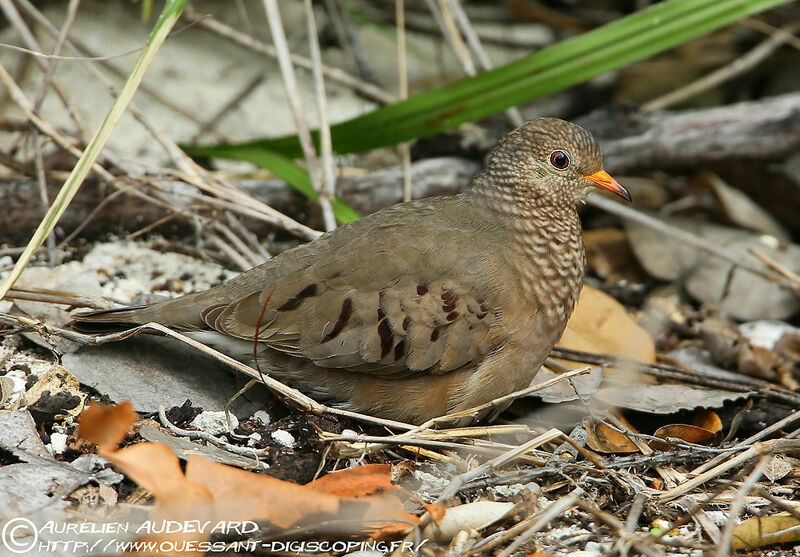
<point>474,42</point>
<point>736,68</point>
<point>458,482</point>
<point>252,238</point>
<point>252,258</point>
<point>293,96</point>
<point>366,89</point>
<point>780,424</point>
<point>78,48</point>
<point>774,446</point>
<point>327,185</point>
<point>556,509</point>
<point>768,29</point>
<point>41,178</point>
<point>72,9</point>
<point>688,238</point>
<point>14,17</point>
<point>402,80</point>
<point>444,17</point>
<point>736,507</point>
<point>227,249</point>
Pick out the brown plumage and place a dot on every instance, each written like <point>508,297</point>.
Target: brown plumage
<point>424,308</point>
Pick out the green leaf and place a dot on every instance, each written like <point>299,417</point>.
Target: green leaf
<point>614,45</point>
<point>295,175</point>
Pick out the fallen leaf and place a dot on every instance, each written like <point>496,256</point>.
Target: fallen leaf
<point>601,324</point>
<point>766,530</point>
<point>666,399</point>
<point>742,210</point>
<point>779,466</point>
<point>106,426</point>
<point>708,420</point>
<point>684,432</point>
<point>359,497</point>
<point>603,439</point>
<point>359,481</point>
<point>712,280</point>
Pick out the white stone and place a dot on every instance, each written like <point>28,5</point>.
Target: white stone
<point>214,423</point>
<point>58,443</point>
<point>262,416</point>
<point>283,437</point>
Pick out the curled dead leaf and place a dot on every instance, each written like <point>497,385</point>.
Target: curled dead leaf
<point>106,426</point>
<point>603,439</point>
<point>760,531</point>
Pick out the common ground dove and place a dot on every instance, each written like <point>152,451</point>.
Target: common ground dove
<point>424,308</point>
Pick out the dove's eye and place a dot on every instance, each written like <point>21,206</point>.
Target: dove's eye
<point>560,159</point>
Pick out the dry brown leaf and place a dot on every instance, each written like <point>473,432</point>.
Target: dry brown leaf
<point>603,439</point>
<point>106,426</point>
<point>601,324</point>
<point>766,530</point>
<point>360,481</point>
<point>241,495</point>
<point>212,492</point>
<point>708,420</point>
<point>684,432</point>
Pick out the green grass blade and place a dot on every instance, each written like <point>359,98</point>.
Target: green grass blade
<point>614,45</point>
<point>295,175</point>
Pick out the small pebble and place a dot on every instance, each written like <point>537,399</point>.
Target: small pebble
<point>58,443</point>
<point>262,416</point>
<point>283,437</point>
<point>214,423</point>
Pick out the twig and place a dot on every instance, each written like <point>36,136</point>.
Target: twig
<point>72,9</point>
<point>474,42</point>
<point>767,29</point>
<point>327,185</point>
<point>364,88</point>
<point>767,431</point>
<point>553,511</point>
<point>293,96</point>
<point>256,454</point>
<point>740,65</point>
<point>760,448</point>
<point>691,239</point>
<point>52,252</point>
<point>402,80</point>
<point>664,371</point>
<point>28,38</point>
<point>458,482</point>
<point>235,257</point>
<point>444,17</point>
<point>724,546</point>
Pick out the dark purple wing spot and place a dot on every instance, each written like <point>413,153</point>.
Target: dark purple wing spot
<point>290,304</point>
<point>421,289</point>
<point>406,322</point>
<point>452,315</point>
<point>294,303</point>
<point>385,332</point>
<point>344,318</point>
<point>449,297</point>
<point>435,334</point>
<point>400,350</point>
<point>448,308</point>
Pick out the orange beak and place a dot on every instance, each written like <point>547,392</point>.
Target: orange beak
<point>604,180</point>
